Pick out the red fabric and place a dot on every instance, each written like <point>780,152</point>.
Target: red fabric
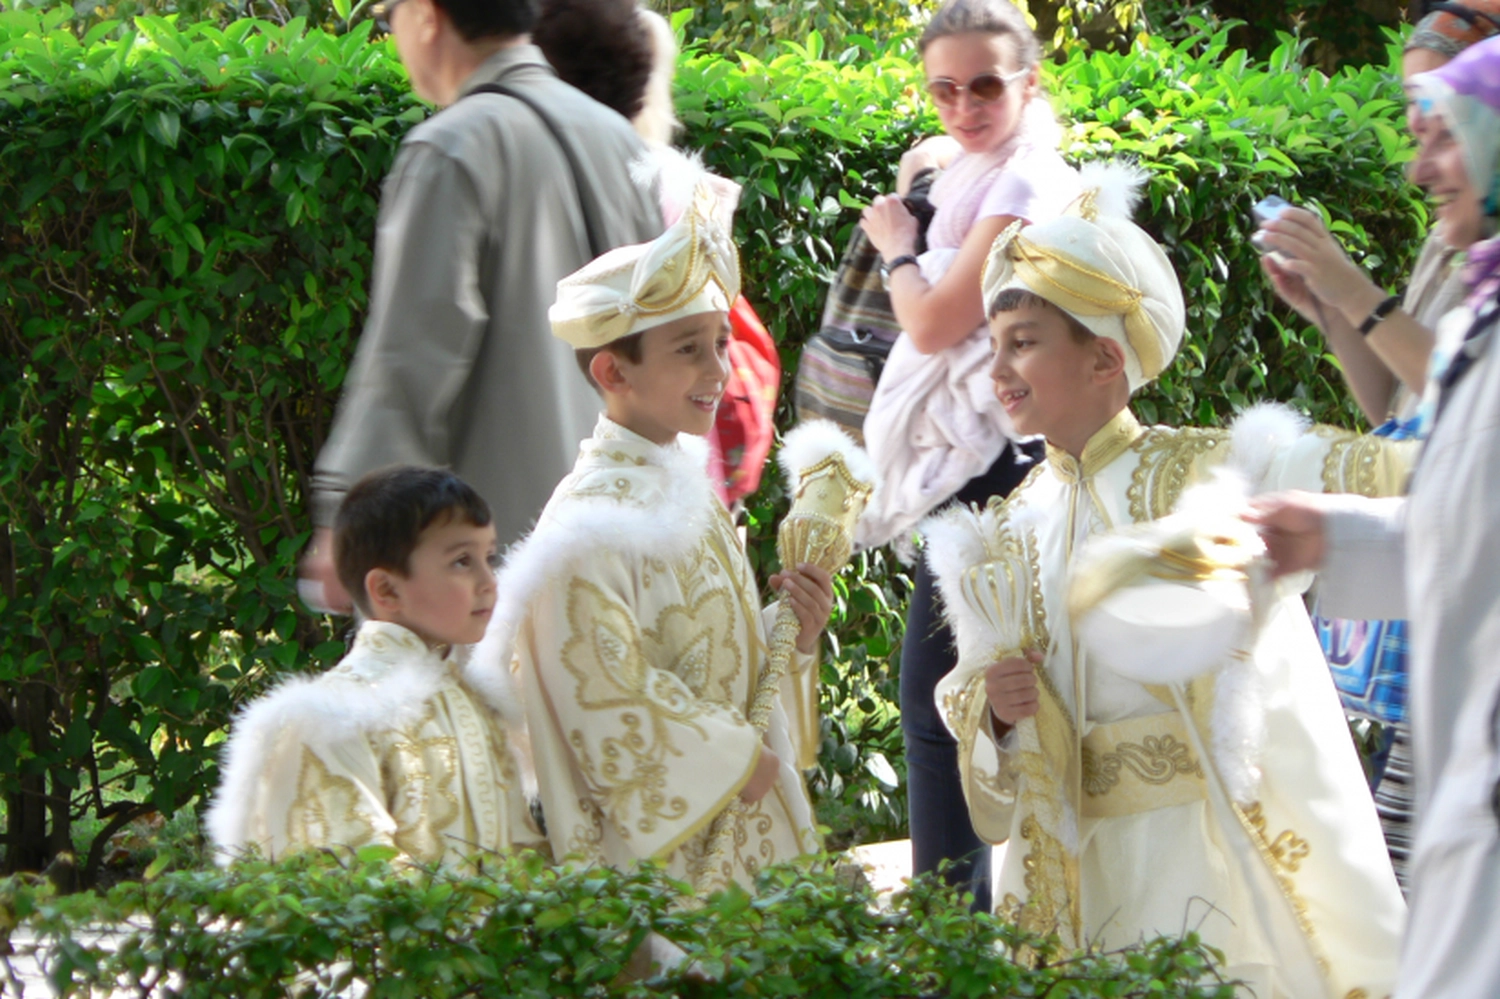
<point>744,428</point>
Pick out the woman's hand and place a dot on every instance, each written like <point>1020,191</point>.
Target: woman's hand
<point>1307,251</point>
<point>1293,528</point>
<point>809,589</point>
<point>1011,688</point>
<point>1291,289</point>
<point>891,228</point>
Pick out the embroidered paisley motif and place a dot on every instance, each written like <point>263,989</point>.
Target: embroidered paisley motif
<point>1153,760</point>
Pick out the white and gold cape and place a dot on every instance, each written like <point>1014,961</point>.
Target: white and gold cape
<point>1234,805</point>
<point>399,744</point>
<point>637,633</point>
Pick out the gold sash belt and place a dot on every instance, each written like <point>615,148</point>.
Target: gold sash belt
<point>1139,764</point>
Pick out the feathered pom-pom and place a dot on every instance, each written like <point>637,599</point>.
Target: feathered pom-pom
<point>952,541</point>
<point>1258,435</point>
<point>1239,729</point>
<point>810,442</point>
<point>1113,186</point>
<point>679,177</point>
<point>1217,500</point>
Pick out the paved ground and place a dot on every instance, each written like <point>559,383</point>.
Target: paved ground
<point>887,865</point>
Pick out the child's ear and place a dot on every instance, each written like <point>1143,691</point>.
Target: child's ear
<point>1109,359</point>
<point>383,590</point>
<point>608,372</point>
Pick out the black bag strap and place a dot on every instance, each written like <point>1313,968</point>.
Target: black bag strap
<point>586,202</point>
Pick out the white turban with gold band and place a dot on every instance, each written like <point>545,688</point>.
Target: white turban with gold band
<point>690,269</point>
<point>1101,268</point>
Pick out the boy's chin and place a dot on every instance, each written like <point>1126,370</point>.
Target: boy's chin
<point>699,425</point>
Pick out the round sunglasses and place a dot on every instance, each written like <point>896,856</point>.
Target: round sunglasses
<point>986,88</point>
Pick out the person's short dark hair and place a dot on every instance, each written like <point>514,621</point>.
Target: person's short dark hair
<point>990,17</point>
<point>602,47</point>
<point>476,19</point>
<point>627,347</point>
<point>1012,299</point>
<point>382,517</point>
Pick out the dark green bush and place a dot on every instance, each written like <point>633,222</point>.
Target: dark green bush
<point>186,218</point>
<point>186,230</point>
<point>321,926</point>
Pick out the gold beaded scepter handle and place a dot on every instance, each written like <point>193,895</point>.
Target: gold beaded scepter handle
<point>831,480</point>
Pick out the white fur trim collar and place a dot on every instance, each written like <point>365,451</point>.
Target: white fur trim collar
<point>625,495</point>
<point>384,682</point>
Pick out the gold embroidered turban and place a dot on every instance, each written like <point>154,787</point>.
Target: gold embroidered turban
<point>1098,266</point>
<point>691,268</point>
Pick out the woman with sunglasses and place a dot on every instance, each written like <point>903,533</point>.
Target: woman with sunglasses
<point>934,427</point>
<point>1383,344</point>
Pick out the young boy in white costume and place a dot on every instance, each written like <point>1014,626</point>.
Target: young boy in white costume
<point>1234,804</point>
<point>631,611</point>
<point>402,743</point>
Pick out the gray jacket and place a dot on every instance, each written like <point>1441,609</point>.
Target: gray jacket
<point>479,219</point>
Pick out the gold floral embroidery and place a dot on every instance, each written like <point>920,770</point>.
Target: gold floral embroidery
<point>1051,884</point>
<point>420,776</point>
<point>1167,460</point>
<point>1352,462</point>
<point>689,642</point>
<point>326,809</point>
<point>1288,849</point>
<point>605,655</point>
<point>620,490</point>
<point>1282,856</point>
<point>1153,760</point>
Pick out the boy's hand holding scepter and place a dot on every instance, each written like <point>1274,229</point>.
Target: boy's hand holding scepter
<point>831,480</point>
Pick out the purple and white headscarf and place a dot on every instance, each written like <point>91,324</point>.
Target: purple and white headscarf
<point>1465,93</point>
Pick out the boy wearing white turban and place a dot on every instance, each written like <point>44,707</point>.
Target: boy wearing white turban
<point>631,613</point>
<point>1231,803</point>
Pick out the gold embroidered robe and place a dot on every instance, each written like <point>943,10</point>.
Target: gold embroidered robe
<point>397,745</point>
<point>637,633</point>
<point>1138,832</point>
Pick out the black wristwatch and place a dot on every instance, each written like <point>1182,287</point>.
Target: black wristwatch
<point>901,261</point>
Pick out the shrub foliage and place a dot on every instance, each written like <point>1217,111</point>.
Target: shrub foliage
<point>186,220</point>
<point>328,926</point>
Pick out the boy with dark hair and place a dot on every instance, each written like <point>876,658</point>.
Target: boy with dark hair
<point>631,610</point>
<point>403,742</point>
<point>1146,801</point>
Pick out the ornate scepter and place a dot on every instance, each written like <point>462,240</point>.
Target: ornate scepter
<point>831,480</point>
<point>985,563</point>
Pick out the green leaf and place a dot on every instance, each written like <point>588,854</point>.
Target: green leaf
<point>140,310</point>
<point>164,127</point>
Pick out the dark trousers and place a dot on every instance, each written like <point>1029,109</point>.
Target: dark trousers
<point>939,816</point>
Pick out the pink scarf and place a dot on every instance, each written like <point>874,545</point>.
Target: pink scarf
<point>960,189</point>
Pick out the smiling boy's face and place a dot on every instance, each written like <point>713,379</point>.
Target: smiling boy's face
<point>448,592</point>
<point>678,382</point>
<point>1051,380</point>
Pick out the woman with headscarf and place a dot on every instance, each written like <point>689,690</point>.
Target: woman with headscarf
<point>1433,556</point>
<point>1384,362</point>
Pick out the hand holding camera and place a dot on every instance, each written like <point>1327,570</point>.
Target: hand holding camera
<point>1308,268</point>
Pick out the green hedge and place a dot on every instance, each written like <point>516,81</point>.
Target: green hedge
<point>186,219</point>
<point>322,926</point>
